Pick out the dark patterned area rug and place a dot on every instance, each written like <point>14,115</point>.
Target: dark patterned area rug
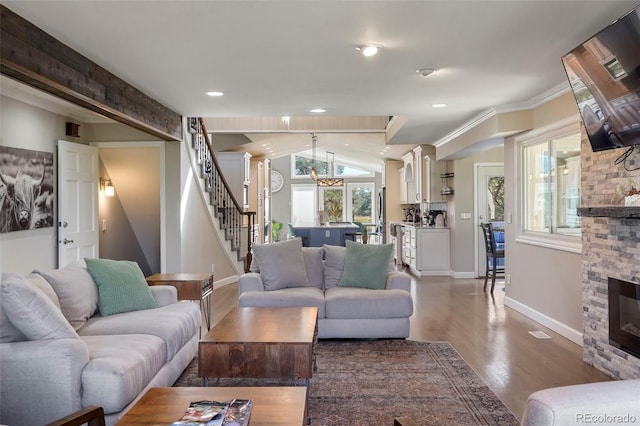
<point>364,383</point>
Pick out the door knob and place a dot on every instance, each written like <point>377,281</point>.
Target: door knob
<point>66,241</point>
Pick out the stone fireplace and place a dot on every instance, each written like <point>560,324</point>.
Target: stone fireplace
<point>610,249</point>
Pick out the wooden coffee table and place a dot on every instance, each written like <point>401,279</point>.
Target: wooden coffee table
<point>260,343</point>
<point>281,406</point>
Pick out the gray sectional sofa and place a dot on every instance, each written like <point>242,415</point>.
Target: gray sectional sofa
<point>58,354</point>
<point>343,312</point>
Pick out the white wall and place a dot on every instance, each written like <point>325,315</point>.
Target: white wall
<point>199,246</point>
<point>546,283</point>
<point>27,127</point>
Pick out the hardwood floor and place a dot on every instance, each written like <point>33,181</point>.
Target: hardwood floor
<point>492,339</point>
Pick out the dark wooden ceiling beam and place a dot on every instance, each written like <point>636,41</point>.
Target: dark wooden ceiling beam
<point>32,56</point>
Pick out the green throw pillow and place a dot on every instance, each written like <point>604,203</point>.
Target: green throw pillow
<point>121,286</point>
<point>365,265</point>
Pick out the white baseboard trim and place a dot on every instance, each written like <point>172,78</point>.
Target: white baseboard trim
<point>574,335</point>
<point>462,275</point>
<point>225,281</point>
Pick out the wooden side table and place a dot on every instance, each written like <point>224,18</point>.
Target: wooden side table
<point>197,287</point>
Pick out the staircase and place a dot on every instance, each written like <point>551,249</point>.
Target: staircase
<point>234,222</point>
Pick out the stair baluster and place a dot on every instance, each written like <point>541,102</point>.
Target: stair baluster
<point>232,218</point>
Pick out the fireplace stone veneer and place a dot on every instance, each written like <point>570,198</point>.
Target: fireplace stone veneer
<point>610,248</point>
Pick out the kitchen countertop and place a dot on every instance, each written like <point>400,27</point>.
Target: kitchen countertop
<point>421,226</point>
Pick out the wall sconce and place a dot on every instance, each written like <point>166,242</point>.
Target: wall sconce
<point>107,187</point>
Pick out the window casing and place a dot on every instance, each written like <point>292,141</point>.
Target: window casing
<point>360,202</point>
<point>550,188</point>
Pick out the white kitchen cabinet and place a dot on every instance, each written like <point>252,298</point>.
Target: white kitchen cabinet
<point>426,250</point>
<point>403,186</point>
<point>409,179</point>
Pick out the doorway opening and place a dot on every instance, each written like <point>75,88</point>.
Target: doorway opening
<point>489,206</point>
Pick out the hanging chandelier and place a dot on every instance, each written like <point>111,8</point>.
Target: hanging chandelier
<point>330,180</point>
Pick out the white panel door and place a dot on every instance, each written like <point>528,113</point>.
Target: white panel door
<point>77,202</point>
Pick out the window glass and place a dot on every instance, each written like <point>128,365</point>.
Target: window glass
<point>551,168</point>
<point>360,202</point>
<point>333,203</point>
<point>303,204</point>
<point>342,170</point>
<point>302,166</point>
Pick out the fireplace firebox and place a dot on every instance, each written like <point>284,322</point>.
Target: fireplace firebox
<point>624,316</point>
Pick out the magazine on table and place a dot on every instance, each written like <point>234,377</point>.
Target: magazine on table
<point>238,412</point>
<point>213,413</point>
<point>210,413</point>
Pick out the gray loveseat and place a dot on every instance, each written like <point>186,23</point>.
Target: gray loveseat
<point>58,354</point>
<point>343,312</point>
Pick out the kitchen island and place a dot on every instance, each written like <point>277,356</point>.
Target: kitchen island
<point>334,234</point>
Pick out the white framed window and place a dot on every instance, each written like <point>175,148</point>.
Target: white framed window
<point>360,202</point>
<point>549,167</point>
<point>302,162</point>
<point>303,204</point>
<point>332,202</point>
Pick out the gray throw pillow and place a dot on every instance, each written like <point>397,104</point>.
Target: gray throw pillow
<point>281,264</point>
<point>365,265</point>
<point>76,290</point>
<point>333,265</point>
<point>31,311</point>
<point>313,264</point>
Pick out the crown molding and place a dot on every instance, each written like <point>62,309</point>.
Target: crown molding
<point>533,103</point>
<point>475,121</point>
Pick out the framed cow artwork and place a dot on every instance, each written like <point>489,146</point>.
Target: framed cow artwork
<point>26,189</point>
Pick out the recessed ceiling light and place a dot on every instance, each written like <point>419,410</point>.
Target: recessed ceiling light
<point>215,93</point>
<point>369,49</point>
<point>439,105</point>
<point>318,110</point>
<point>426,71</point>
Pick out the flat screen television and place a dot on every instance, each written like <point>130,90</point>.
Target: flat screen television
<point>604,74</point>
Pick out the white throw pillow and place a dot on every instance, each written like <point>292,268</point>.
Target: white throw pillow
<point>76,290</point>
<point>281,264</point>
<point>8,332</point>
<point>39,281</point>
<point>31,311</point>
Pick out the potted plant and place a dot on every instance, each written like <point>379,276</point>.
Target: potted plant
<point>275,229</point>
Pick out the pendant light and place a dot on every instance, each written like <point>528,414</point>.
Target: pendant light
<point>331,181</point>
<point>314,171</point>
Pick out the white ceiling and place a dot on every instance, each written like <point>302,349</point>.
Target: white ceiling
<point>276,58</point>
